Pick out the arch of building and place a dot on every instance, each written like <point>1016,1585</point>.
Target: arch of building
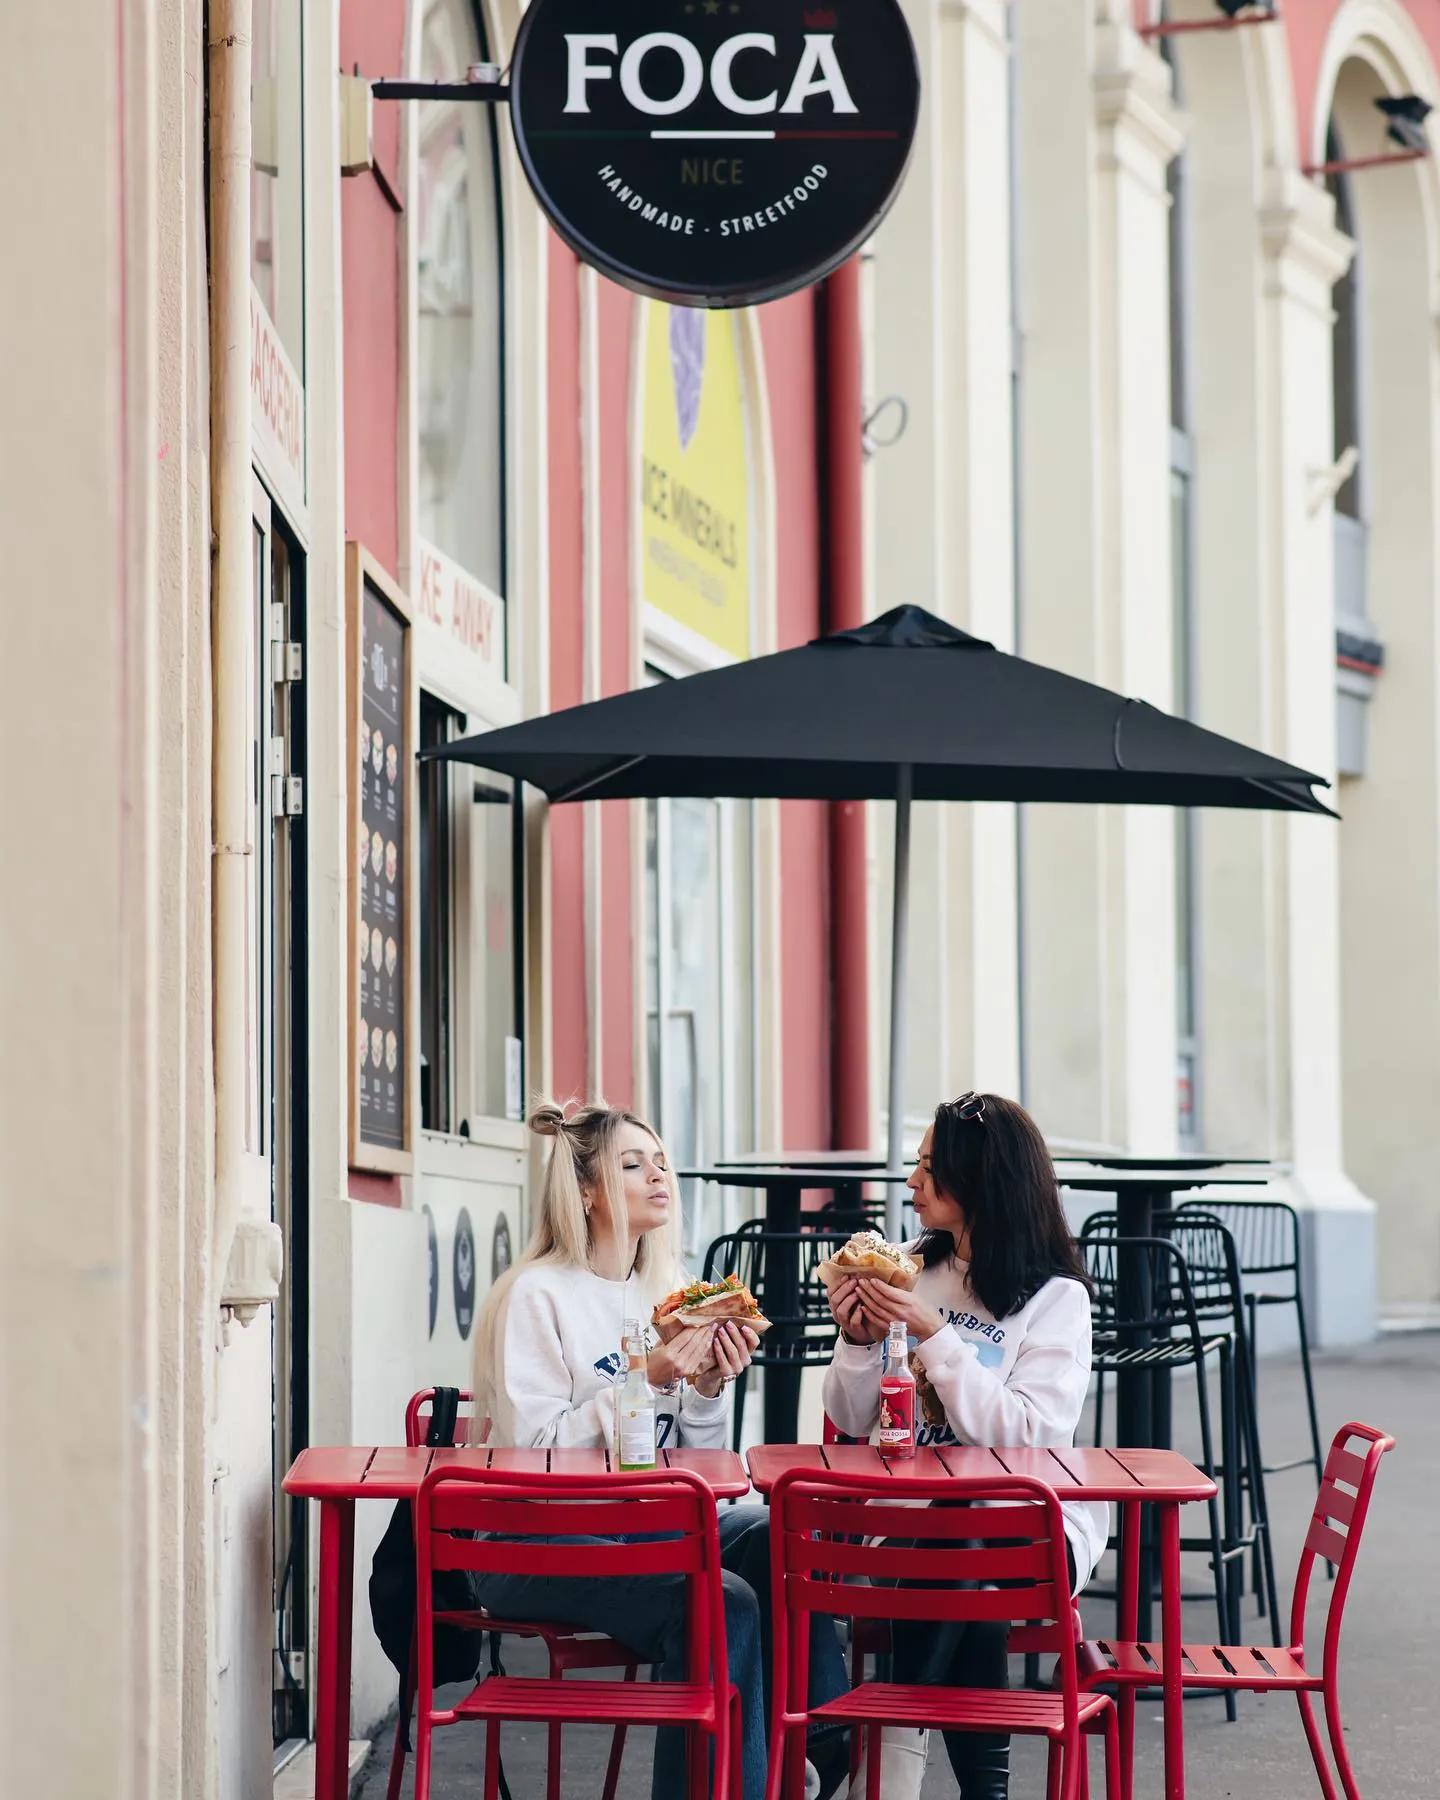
<point>1390,841</point>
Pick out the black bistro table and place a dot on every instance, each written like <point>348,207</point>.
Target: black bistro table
<point>1145,1187</point>
<point>783,1183</point>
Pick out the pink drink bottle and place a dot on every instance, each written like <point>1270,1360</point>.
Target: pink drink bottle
<point>896,1436</point>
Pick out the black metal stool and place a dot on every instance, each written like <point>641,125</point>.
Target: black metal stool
<point>804,1333</point>
<point>1169,1334</point>
<point>1267,1242</point>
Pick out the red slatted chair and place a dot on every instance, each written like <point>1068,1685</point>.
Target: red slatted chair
<point>871,1637</point>
<point>1334,1535</point>
<point>677,1508</point>
<point>822,1527</point>
<point>567,1649</point>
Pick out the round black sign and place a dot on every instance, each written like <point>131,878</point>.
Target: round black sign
<point>433,1245</point>
<point>464,1273</point>
<point>500,1248</point>
<point>714,152</point>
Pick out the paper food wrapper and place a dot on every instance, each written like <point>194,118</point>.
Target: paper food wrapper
<point>876,1268</point>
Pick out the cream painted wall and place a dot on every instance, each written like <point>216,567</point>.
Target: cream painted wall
<point>79,1143</point>
<point>1390,846</point>
<point>1099,924</point>
<point>941,514</point>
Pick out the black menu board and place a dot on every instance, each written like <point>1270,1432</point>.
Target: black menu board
<point>381,812</point>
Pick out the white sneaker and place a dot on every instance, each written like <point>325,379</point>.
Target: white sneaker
<point>903,1750</point>
<point>812,1782</point>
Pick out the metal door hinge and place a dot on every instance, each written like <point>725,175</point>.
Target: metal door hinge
<point>287,792</point>
<point>287,796</point>
<point>287,662</point>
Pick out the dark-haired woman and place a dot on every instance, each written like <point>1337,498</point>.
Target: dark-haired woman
<point>999,1329</point>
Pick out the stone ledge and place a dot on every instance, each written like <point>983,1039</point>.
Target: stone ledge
<point>296,1781</point>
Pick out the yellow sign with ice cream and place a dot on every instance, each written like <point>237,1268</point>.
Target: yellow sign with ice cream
<point>694,479</point>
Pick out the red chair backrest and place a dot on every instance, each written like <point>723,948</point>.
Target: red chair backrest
<point>1336,1524</point>
<point>522,1512</point>
<point>821,1527</point>
<point>468,1429</point>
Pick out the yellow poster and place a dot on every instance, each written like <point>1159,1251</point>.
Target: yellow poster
<point>694,479</point>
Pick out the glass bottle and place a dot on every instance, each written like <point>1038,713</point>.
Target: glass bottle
<point>635,1405</point>
<point>896,1436</point>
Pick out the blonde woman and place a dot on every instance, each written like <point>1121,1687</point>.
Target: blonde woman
<point>605,1248</point>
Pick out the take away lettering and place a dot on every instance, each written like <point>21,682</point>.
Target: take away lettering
<point>459,607</point>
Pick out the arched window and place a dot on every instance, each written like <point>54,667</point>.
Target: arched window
<point>460,386</point>
<point>1356,645</point>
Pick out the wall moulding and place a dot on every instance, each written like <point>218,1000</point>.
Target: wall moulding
<point>1140,128</point>
<point>1305,253</point>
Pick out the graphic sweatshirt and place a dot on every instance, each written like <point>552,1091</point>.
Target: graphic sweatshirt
<point>560,1361</point>
<point>1017,1381</point>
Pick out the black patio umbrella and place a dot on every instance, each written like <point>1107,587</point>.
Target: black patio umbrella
<point>904,708</point>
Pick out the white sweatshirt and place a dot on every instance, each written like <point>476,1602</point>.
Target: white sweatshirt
<point>560,1360</point>
<point>1018,1381</point>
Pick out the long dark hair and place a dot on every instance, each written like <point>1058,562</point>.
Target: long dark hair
<point>998,1171</point>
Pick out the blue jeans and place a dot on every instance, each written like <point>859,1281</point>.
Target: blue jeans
<point>647,1615</point>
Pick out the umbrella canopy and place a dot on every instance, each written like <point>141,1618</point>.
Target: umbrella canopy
<point>903,708</point>
<point>837,719</point>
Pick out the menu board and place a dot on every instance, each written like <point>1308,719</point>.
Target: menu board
<point>382,767</point>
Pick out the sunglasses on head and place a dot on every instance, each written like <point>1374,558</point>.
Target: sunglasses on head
<point>970,1107</point>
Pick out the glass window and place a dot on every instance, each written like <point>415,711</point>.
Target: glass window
<point>470,887</point>
<point>700,985</point>
<point>459,305</point>
<point>438,724</point>
<point>277,171</point>
<point>1186,1010</point>
<point>1345,340</point>
<point>1182,549</point>
<point>493,978</point>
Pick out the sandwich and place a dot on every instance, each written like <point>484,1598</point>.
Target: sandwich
<point>868,1253</point>
<point>708,1303</point>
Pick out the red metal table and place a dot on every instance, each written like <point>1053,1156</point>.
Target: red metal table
<point>337,1478</point>
<point>1131,1479</point>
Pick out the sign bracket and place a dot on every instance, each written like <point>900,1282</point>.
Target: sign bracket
<point>489,90</point>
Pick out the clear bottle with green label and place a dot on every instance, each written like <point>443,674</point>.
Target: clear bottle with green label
<point>635,1405</point>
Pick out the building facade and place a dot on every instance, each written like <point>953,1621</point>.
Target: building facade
<point>333,452</point>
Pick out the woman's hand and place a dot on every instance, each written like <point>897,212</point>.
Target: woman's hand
<point>883,1304</point>
<point>680,1360</point>
<point>846,1309</point>
<point>734,1344</point>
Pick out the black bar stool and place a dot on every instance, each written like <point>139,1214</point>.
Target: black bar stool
<point>775,1265</point>
<point>1166,1332</point>
<point>1267,1242</point>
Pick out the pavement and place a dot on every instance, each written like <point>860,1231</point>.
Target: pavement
<point>1390,1651</point>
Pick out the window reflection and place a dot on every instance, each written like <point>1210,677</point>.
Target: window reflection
<point>459,401</point>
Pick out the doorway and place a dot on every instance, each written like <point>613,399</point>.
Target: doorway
<point>278,1112</point>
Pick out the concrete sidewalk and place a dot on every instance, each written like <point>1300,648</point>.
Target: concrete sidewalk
<point>1390,1655</point>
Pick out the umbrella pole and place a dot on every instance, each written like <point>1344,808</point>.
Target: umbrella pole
<point>899,959</point>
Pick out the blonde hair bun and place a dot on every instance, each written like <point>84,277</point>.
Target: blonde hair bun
<point>547,1119</point>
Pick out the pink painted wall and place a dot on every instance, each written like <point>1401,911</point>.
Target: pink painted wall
<point>789,342</point>
<point>568,1021</point>
<point>372,38</point>
<point>1308,26</point>
<point>788,333</point>
<point>616,333</point>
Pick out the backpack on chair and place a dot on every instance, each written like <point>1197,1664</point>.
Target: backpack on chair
<point>392,1587</point>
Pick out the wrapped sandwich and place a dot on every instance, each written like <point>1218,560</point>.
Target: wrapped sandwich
<point>708,1304</point>
<point>868,1253</point>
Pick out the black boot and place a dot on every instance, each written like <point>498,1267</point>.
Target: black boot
<point>981,1762</point>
